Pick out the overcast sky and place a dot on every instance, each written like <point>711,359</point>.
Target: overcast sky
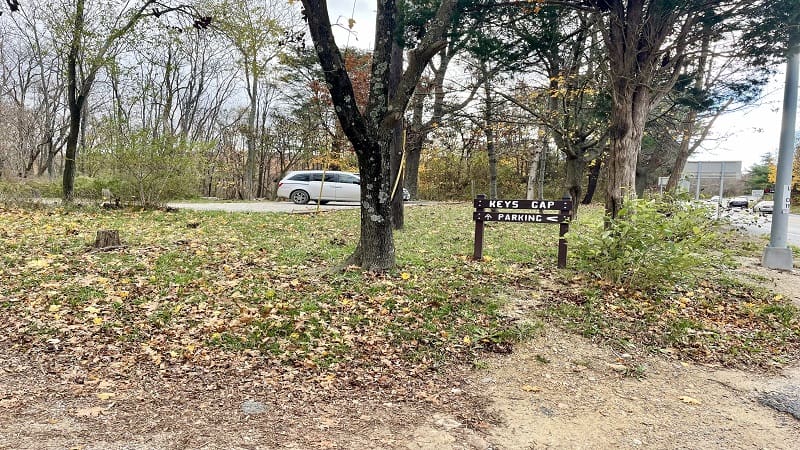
<point>747,134</point>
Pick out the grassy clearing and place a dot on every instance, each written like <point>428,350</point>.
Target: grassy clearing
<point>205,289</point>
<point>196,288</point>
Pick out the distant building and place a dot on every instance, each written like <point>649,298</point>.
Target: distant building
<point>705,177</point>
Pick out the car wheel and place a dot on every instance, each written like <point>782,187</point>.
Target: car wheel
<point>300,197</point>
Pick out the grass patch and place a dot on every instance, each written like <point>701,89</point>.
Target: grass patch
<point>206,288</point>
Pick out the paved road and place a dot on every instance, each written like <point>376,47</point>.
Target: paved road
<point>761,225</point>
<point>263,206</point>
<point>268,206</point>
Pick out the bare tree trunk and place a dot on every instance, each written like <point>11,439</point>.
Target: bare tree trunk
<point>415,139</point>
<point>419,130</point>
<point>75,104</point>
<point>628,118</point>
<point>691,120</point>
<point>375,250</point>
<point>575,167</point>
<point>249,169</point>
<point>591,186</point>
<point>535,156</point>
<point>488,130</point>
<point>396,154</point>
<point>370,132</point>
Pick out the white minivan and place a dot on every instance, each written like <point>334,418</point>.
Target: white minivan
<point>324,186</point>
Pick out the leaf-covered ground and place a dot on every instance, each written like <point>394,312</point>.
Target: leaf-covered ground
<point>193,292</point>
<point>252,292</point>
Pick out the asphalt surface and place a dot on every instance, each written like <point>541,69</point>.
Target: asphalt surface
<point>264,206</point>
<point>269,206</point>
<point>761,225</point>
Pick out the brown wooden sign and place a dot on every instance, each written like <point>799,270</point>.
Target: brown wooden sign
<point>481,215</point>
<point>563,205</point>
<point>519,217</point>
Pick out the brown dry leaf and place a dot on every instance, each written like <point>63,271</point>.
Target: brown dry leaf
<point>105,395</point>
<point>690,400</point>
<point>94,411</point>
<point>529,388</point>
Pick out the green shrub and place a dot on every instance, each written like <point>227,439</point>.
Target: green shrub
<point>651,244</point>
<point>137,167</point>
<point>92,187</point>
<point>27,189</point>
<point>154,170</point>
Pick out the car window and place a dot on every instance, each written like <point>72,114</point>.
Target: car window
<point>331,177</point>
<point>348,178</point>
<point>300,177</point>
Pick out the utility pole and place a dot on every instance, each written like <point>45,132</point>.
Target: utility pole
<point>778,255</point>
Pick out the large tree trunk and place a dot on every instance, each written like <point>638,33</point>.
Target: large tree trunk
<point>375,250</point>
<point>75,104</point>
<point>628,116</point>
<point>591,186</point>
<point>575,167</point>
<point>370,132</point>
<point>415,139</point>
<point>396,155</point>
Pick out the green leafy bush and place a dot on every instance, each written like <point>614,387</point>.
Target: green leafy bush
<point>92,187</point>
<point>27,189</point>
<point>153,170</point>
<point>651,244</point>
<point>138,167</point>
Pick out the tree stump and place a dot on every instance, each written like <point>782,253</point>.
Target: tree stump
<point>106,239</point>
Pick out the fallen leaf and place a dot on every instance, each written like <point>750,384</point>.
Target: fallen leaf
<point>94,411</point>
<point>105,395</point>
<point>690,400</point>
<point>38,263</point>
<point>529,388</point>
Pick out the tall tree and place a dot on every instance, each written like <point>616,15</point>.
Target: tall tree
<point>85,60</point>
<point>647,42</point>
<point>560,48</point>
<point>370,132</point>
<point>258,30</point>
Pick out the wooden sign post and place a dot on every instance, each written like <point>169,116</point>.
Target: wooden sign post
<point>481,215</point>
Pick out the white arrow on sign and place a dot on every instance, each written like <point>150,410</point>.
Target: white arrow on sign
<point>488,216</point>
<point>552,218</point>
